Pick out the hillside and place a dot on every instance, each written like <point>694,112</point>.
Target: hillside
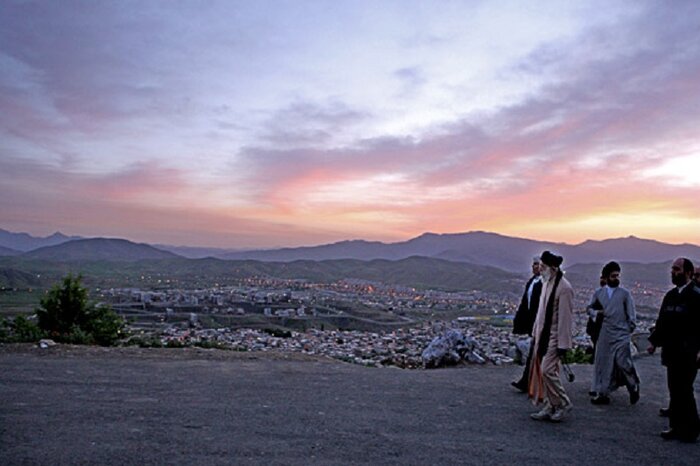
<point>418,272</point>
<point>475,247</point>
<point>24,242</point>
<point>8,251</point>
<point>655,275</point>
<point>13,278</point>
<point>484,248</point>
<point>96,249</point>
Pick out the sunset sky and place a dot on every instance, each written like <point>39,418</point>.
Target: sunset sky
<point>248,124</point>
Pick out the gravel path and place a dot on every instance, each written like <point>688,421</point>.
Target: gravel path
<point>75,405</point>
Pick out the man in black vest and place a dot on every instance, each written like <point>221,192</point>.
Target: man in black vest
<point>677,332</point>
<point>525,317</point>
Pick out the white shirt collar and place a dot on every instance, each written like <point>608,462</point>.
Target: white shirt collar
<point>681,288</point>
<point>609,290</point>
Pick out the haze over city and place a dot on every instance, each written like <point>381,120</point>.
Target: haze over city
<point>285,123</point>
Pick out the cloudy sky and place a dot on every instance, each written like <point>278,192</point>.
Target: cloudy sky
<point>282,123</point>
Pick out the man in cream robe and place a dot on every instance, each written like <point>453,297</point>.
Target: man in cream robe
<point>552,338</point>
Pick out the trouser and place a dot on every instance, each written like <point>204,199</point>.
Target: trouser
<point>526,372</point>
<point>683,416</point>
<point>553,389</point>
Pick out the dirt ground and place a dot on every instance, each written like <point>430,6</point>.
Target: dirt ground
<point>78,405</point>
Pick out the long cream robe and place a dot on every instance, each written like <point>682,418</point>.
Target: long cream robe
<point>545,384</point>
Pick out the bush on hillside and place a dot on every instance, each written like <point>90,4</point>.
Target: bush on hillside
<point>577,355</point>
<point>67,316</point>
<point>20,329</point>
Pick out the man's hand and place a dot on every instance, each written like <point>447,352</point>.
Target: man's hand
<point>651,349</point>
<point>561,353</point>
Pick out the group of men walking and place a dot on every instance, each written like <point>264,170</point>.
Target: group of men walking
<point>546,313</point>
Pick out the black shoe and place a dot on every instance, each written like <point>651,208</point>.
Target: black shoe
<point>601,400</point>
<point>634,395</point>
<point>688,437</point>
<point>669,434</point>
<point>664,412</point>
<point>592,393</point>
<point>520,386</point>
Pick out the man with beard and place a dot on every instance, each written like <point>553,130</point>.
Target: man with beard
<point>677,332</point>
<point>613,358</point>
<point>552,338</point>
<point>525,318</point>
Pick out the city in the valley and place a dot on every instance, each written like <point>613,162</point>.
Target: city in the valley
<point>358,321</point>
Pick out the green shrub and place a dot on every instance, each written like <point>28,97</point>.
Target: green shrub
<point>66,316</point>
<point>78,336</point>
<point>25,330</point>
<point>577,355</point>
<point>64,307</point>
<point>19,330</point>
<point>4,332</point>
<point>105,326</point>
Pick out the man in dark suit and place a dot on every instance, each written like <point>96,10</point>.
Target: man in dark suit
<point>677,332</point>
<point>525,317</point>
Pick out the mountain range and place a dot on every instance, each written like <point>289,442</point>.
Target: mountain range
<point>485,248</point>
<point>23,242</point>
<point>477,247</point>
<point>96,249</point>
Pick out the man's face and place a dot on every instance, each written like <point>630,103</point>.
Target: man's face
<point>696,278</point>
<point>678,277</point>
<point>613,279</point>
<point>536,268</point>
<point>546,271</point>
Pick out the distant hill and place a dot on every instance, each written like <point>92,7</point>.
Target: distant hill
<point>476,247</point>
<point>631,249</point>
<point>99,249</point>
<point>484,248</point>
<point>653,275</point>
<point>417,272</point>
<point>13,278</point>
<point>193,252</point>
<point>8,251</point>
<point>24,242</point>
<point>355,249</point>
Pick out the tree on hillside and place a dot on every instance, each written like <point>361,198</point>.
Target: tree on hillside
<point>66,315</point>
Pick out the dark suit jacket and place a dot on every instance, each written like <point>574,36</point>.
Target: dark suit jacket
<point>677,329</point>
<point>525,316</point>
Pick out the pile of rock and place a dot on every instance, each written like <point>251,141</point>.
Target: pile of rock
<point>476,342</point>
<point>427,345</point>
